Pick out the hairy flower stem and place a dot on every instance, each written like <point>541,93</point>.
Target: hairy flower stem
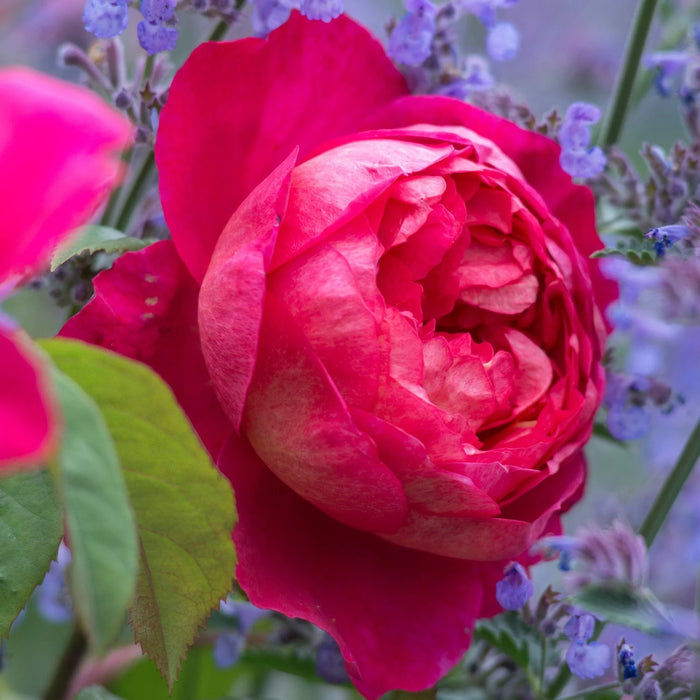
<point>132,196</point>
<point>615,118</point>
<point>672,487</point>
<point>67,666</point>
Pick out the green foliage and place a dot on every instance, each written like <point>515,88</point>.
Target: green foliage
<point>510,635</point>
<point>626,606</point>
<point>95,239</point>
<point>635,248</point>
<point>184,508</point>
<point>32,527</point>
<point>99,521</point>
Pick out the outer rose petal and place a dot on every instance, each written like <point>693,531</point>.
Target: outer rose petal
<point>263,98</point>
<point>145,308</point>
<point>26,416</point>
<point>535,155</point>
<point>402,618</point>
<point>58,144</point>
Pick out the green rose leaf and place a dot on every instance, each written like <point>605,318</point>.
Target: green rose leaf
<point>32,526</point>
<point>99,520</point>
<point>93,239</point>
<point>509,634</point>
<point>184,508</point>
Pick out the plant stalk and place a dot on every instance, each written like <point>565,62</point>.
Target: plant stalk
<point>68,665</point>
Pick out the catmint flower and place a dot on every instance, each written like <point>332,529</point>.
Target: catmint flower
<point>106,18</point>
<point>625,656</point>
<point>502,41</point>
<point>330,665</point>
<point>268,15</point>
<point>410,41</point>
<point>155,37</point>
<point>158,10</point>
<point>229,645</point>
<point>475,77</point>
<point>577,158</point>
<point>667,64</point>
<point>325,10</point>
<point>53,597</point>
<point>515,588</point>
<point>586,659</point>
<point>665,236</point>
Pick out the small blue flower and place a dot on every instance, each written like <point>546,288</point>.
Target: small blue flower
<point>665,236</point>
<point>158,10</point>
<point>106,18</point>
<point>53,597</point>
<point>330,664</point>
<point>577,158</point>
<point>155,37</point>
<point>228,649</point>
<point>627,662</point>
<point>325,10</point>
<point>588,660</point>
<point>475,77</point>
<point>667,64</point>
<point>515,588</point>
<point>410,42</point>
<point>502,41</point>
<point>628,422</point>
<point>268,15</point>
<point>580,627</point>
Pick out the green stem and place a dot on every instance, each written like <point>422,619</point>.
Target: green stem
<point>612,128</point>
<point>148,69</point>
<point>67,666</point>
<point>429,694</point>
<point>134,191</point>
<point>672,487</point>
<point>219,31</point>
<point>589,691</point>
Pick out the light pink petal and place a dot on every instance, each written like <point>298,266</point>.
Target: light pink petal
<point>402,618</point>
<point>27,414</point>
<point>299,425</point>
<point>236,109</point>
<point>332,188</point>
<point>320,292</point>
<point>536,156</point>
<point>58,159</point>
<point>231,298</point>
<point>145,308</point>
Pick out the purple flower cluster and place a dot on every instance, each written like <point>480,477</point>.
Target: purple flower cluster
<point>515,588</point>
<point>586,659</point>
<point>578,158</point>
<point>269,14</point>
<point>412,39</point>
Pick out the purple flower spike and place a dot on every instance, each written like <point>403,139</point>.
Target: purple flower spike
<point>502,41</point>
<point>410,42</point>
<point>577,158</point>
<point>106,18</point>
<point>588,660</point>
<point>515,588</point>
<point>325,10</point>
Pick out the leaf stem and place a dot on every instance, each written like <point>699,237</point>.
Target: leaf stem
<point>671,488</point>
<point>219,31</point>
<point>134,191</point>
<point>67,666</point>
<point>590,691</point>
<point>615,119</point>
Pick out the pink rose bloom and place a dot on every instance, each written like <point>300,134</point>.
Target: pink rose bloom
<point>57,161</point>
<point>378,312</point>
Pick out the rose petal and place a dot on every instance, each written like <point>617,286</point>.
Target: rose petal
<point>26,412</point>
<point>263,98</point>
<point>402,618</point>
<point>145,308</point>
<point>58,148</point>
<point>231,298</point>
<point>299,425</point>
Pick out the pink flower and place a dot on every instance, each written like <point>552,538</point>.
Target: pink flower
<point>378,311</point>
<point>57,148</point>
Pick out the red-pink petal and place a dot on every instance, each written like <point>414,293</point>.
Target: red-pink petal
<point>26,412</point>
<point>300,426</point>
<point>219,137</point>
<point>58,148</point>
<point>145,308</point>
<point>232,294</point>
<point>402,618</point>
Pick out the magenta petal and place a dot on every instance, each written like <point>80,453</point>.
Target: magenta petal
<point>402,618</point>
<point>26,414</point>
<point>306,83</point>
<point>58,148</point>
<point>145,308</point>
<point>299,425</point>
<point>231,298</point>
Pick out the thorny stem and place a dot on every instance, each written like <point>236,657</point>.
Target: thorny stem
<point>615,119</point>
